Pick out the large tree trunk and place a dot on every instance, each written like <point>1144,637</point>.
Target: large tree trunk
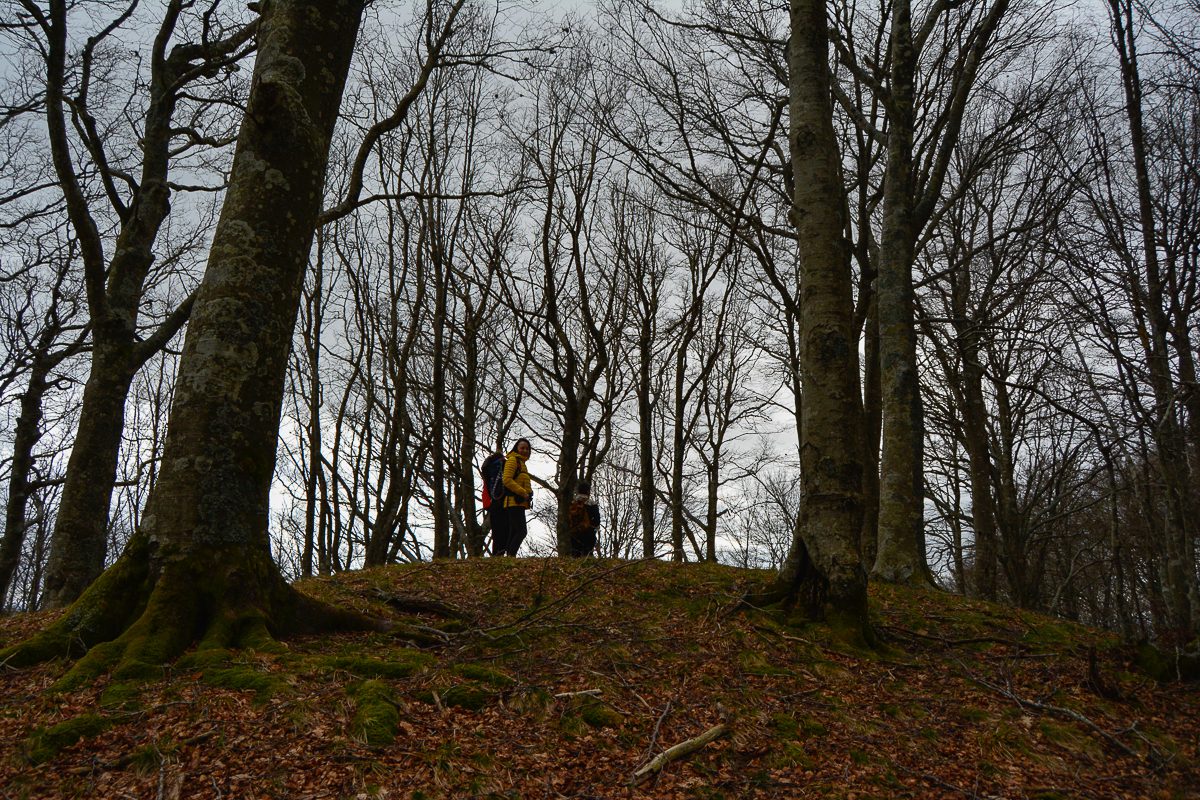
<point>199,567</point>
<point>567,473</point>
<point>824,569</point>
<point>900,557</point>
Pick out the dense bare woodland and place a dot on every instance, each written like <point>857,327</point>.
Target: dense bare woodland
<point>914,296</point>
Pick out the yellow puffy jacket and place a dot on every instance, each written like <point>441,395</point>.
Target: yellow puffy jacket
<point>517,486</point>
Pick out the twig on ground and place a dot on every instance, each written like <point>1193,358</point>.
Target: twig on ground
<point>128,758</point>
<point>590,692</point>
<point>1022,702</point>
<point>935,780</point>
<point>952,642</point>
<point>527,618</point>
<point>657,728</point>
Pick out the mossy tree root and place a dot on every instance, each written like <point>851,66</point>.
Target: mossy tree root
<point>147,609</point>
<point>801,586</point>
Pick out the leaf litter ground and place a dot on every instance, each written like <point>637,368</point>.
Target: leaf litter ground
<point>547,678</point>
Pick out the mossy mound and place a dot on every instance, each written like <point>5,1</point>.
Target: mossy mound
<point>376,713</point>
<point>617,662</point>
<point>44,744</point>
<point>245,678</point>
<point>399,666</point>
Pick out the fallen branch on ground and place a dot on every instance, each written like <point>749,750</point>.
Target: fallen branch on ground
<point>678,751</point>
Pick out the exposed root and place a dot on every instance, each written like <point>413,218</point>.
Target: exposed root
<point>421,605</point>
<point>144,612</point>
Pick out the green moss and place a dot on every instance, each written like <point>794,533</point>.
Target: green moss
<point>137,670</point>
<point>599,714</point>
<point>148,758</point>
<point>203,658</point>
<point>467,696</point>
<point>45,743</point>
<point>405,667</point>
<point>859,757</point>
<point>785,725</point>
<point>533,701</point>
<point>1070,738</point>
<point>753,662</point>
<point>244,678</point>
<point>100,660</point>
<point>789,755</point>
<point>971,714</point>
<point>376,713</point>
<point>811,727</point>
<point>478,672</point>
<point>121,696</point>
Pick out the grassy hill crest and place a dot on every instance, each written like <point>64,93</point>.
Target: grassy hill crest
<point>548,678</point>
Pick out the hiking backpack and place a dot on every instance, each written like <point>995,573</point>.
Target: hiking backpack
<point>492,470</point>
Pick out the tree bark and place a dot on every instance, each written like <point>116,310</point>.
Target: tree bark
<point>115,288</point>
<point>80,541</point>
<point>646,437</point>
<point>25,438</point>
<point>900,557</point>
<point>199,567</point>
<point>824,569</point>
<point>1181,586</point>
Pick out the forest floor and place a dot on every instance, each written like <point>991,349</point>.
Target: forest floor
<point>560,679</point>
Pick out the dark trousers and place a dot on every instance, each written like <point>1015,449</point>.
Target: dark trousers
<point>508,530</point>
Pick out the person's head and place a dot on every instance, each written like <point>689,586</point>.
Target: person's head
<point>523,448</point>
<point>584,487</point>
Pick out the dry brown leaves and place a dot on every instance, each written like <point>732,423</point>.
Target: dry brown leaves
<point>810,717</point>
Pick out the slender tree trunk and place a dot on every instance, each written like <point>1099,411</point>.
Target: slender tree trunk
<point>25,437</point>
<point>80,540</point>
<point>313,345</point>
<point>677,453</point>
<point>476,532</point>
<point>975,436</point>
<point>1182,590</point>
<point>900,557</point>
<point>646,440</point>
<point>710,526</point>
<point>873,424</point>
<point>441,507</point>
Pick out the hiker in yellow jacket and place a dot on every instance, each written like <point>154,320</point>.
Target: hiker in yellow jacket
<point>509,526</point>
